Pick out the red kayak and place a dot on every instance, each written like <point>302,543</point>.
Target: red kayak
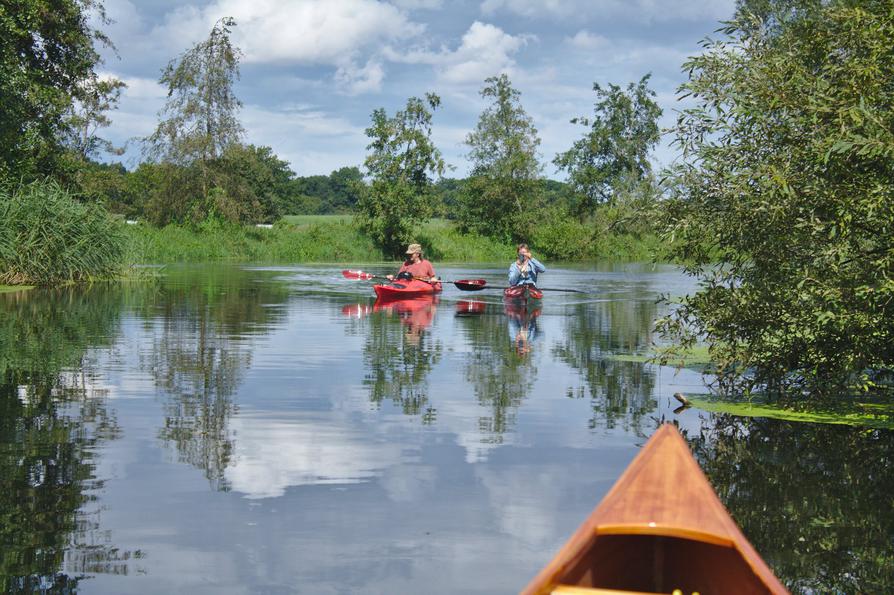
<point>522,293</point>
<point>399,290</point>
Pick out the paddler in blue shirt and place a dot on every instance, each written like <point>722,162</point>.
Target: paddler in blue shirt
<point>525,268</point>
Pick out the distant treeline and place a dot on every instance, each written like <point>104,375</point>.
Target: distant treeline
<point>266,186</point>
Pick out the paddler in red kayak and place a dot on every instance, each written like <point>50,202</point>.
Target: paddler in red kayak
<point>525,268</point>
<point>415,267</point>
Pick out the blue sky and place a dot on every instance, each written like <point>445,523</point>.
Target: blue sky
<point>313,70</point>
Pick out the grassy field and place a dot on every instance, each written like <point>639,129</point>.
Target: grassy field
<point>299,238</point>
<point>306,220</point>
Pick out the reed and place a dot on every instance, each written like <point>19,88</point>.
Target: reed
<point>47,237</point>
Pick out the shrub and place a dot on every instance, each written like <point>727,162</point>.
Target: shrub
<point>48,237</point>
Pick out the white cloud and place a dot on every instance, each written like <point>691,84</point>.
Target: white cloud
<point>304,31</point>
<point>586,10</point>
<point>274,454</point>
<point>484,50</point>
<point>312,140</point>
<point>418,4</point>
<point>584,40</point>
<point>355,80</point>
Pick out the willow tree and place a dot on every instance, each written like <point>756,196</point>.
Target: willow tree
<point>503,187</point>
<point>200,119</point>
<point>783,205</point>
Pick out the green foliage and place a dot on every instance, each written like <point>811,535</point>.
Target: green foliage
<point>502,191</point>
<point>47,237</point>
<point>614,154</point>
<point>336,193</point>
<point>256,182</point>
<point>108,184</point>
<point>212,240</point>
<point>401,164</point>
<point>561,236</point>
<point>46,54</point>
<point>788,186</point>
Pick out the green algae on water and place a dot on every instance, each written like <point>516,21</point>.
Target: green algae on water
<point>868,415</point>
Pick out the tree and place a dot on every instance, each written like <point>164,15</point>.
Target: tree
<point>344,184</point>
<point>256,182</point>
<point>614,154</point>
<point>47,53</point>
<point>87,114</point>
<point>782,206</point>
<point>401,164</point>
<point>503,186</point>
<point>200,116</point>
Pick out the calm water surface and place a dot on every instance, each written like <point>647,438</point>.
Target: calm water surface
<point>273,430</point>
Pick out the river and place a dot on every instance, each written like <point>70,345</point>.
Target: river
<point>251,429</point>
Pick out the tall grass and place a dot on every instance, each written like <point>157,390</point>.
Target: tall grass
<point>47,237</point>
<point>213,240</point>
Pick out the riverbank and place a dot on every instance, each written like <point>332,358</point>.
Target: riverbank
<point>12,288</point>
<point>333,238</point>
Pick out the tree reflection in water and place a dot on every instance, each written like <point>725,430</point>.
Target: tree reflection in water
<point>499,368</point>
<point>51,424</point>
<point>814,499</point>
<point>619,391</point>
<point>399,354</point>
<point>200,353</point>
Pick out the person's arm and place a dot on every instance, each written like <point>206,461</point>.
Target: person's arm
<point>537,265</point>
<point>514,274</point>
<point>431,271</point>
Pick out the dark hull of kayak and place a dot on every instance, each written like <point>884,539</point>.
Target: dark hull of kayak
<point>406,289</point>
<point>522,293</point>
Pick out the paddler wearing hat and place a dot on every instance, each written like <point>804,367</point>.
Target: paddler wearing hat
<point>415,267</point>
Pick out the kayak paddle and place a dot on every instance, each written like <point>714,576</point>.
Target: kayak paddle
<point>463,284</point>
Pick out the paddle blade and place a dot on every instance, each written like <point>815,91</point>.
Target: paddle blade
<point>356,275</point>
<point>470,284</point>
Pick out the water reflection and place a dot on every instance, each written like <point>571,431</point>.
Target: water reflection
<point>199,354</point>
<point>522,326</point>
<point>500,371</point>
<point>815,500</point>
<point>240,429</point>
<point>595,334</point>
<point>52,421</point>
<point>399,354</point>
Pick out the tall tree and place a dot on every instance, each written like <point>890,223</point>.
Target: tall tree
<point>502,188</point>
<point>200,119</point>
<point>784,203</point>
<point>613,155</point>
<point>47,52</point>
<point>401,165</point>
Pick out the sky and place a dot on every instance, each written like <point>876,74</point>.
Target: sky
<point>313,71</point>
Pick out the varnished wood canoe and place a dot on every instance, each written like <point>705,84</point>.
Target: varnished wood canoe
<point>660,528</point>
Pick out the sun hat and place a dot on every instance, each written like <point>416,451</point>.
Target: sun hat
<point>414,249</point>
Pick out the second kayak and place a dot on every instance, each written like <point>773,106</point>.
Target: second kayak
<point>406,289</point>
